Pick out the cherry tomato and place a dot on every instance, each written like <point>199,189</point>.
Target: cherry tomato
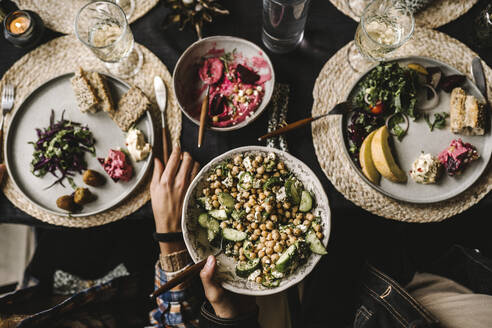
<point>378,108</point>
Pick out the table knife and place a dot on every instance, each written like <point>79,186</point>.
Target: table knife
<point>161,97</point>
<point>479,76</point>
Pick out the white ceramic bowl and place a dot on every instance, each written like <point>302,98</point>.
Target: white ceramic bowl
<point>186,80</point>
<point>196,239</point>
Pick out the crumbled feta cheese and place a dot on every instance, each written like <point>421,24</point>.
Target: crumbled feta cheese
<point>257,216</point>
<point>277,274</point>
<point>259,88</point>
<point>281,194</point>
<point>255,93</point>
<point>208,204</point>
<point>256,183</point>
<point>247,208</point>
<point>302,227</point>
<point>247,163</point>
<point>240,93</point>
<point>271,157</point>
<point>228,181</point>
<point>254,274</point>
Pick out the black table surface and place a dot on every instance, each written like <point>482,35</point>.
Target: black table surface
<point>327,30</point>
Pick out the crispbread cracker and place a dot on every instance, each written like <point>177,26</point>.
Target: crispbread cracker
<point>131,107</point>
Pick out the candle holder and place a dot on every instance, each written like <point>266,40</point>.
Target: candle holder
<point>23,28</point>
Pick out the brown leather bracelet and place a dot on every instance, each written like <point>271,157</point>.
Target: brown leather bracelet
<point>175,261</point>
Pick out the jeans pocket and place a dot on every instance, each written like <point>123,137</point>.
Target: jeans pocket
<point>362,316</point>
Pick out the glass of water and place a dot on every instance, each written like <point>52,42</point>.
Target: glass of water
<point>384,26</point>
<point>283,24</point>
<point>102,26</point>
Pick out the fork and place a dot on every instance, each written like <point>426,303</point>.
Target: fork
<point>7,104</point>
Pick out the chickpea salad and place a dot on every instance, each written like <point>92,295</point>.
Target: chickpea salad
<point>261,215</point>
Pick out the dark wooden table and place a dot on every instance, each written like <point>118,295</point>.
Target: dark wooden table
<point>356,234</point>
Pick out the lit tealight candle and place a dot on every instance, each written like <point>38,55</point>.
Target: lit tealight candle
<point>19,24</point>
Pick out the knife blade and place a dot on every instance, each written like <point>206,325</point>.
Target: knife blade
<point>161,98</point>
<point>479,76</point>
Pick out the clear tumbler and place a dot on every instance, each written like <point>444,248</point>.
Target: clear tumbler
<point>283,24</point>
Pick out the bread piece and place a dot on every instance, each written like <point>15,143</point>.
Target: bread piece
<point>84,93</point>
<point>98,82</point>
<point>131,107</point>
<point>457,110</point>
<point>474,117</point>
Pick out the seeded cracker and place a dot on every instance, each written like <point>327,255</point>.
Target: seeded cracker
<point>131,107</point>
<point>84,93</point>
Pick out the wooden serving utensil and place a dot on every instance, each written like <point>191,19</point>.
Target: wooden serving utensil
<point>203,118</point>
<point>337,110</point>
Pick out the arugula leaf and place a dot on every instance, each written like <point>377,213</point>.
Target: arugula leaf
<point>439,120</point>
<point>394,126</point>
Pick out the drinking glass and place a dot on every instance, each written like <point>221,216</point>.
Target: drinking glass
<point>283,24</point>
<point>103,28</point>
<point>384,26</point>
<point>128,7</point>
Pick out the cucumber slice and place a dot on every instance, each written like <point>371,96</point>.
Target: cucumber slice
<point>292,191</point>
<point>273,181</point>
<point>245,269</point>
<point>211,235</point>
<point>213,225</point>
<point>306,202</point>
<point>315,245</point>
<point>218,214</point>
<point>227,201</point>
<point>247,247</point>
<point>245,180</point>
<point>238,215</point>
<point>203,220</point>
<point>271,283</point>
<point>285,259</point>
<point>233,234</point>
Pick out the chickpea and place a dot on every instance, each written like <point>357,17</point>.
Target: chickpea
<point>288,231</point>
<point>251,202</point>
<point>274,218</point>
<point>240,227</point>
<point>283,236</point>
<point>270,243</point>
<point>263,226</point>
<point>252,255</point>
<point>276,174</point>
<point>269,225</point>
<point>234,189</point>
<point>269,251</point>
<point>297,232</point>
<point>254,225</point>
<point>223,225</point>
<point>249,229</point>
<point>274,257</point>
<point>268,208</point>
<point>265,259</point>
<point>282,243</point>
<point>263,239</point>
<point>213,177</point>
<point>295,209</point>
<point>280,211</point>
<point>258,231</point>
<point>306,223</point>
<point>292,239</point>
<point>215,197</point>
<point>297,222</point>
<point>254,237</point>
<point>275,235</point>
<point>245,194</point>
<point>218,172</point>
<point>250,217</point>
<point>261,254</point>
<point>309,216</point>
<point>235,170</point>
<point>258,280</point>
<point>260,246</point>
<point>237,206</point>
<point>299,216</point>
<point>215,203</point>
<point>317,227</point>
<point>319,235</point>
<point>262,196</point>
<point>242,258</point>
<point>236,248</point>
<point>258,208</point>
<point>288,242</point>
<point>217,184</point>
<point>287,214</point>
<point>218,191</point>
<point>286,205</point>
<point>264,233</point>
<point>238,159</point>
<point>269,236</point>
<point>280,166</point>
<point>206,191</point>
<point>283,172</point>
<point>255,164</point>
<point>260,170</point>
<point>259,158</point>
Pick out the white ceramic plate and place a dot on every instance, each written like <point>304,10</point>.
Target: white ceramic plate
<point>34,112</point>
<point>419,138</point>
<point>196,239</point>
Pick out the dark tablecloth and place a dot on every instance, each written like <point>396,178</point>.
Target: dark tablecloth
<point>355,232</point>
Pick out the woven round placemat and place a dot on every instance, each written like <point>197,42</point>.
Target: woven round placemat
<point>64,55</point>
<point>328,139</point>
<point>438,13</point>
<point>59,15</point>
